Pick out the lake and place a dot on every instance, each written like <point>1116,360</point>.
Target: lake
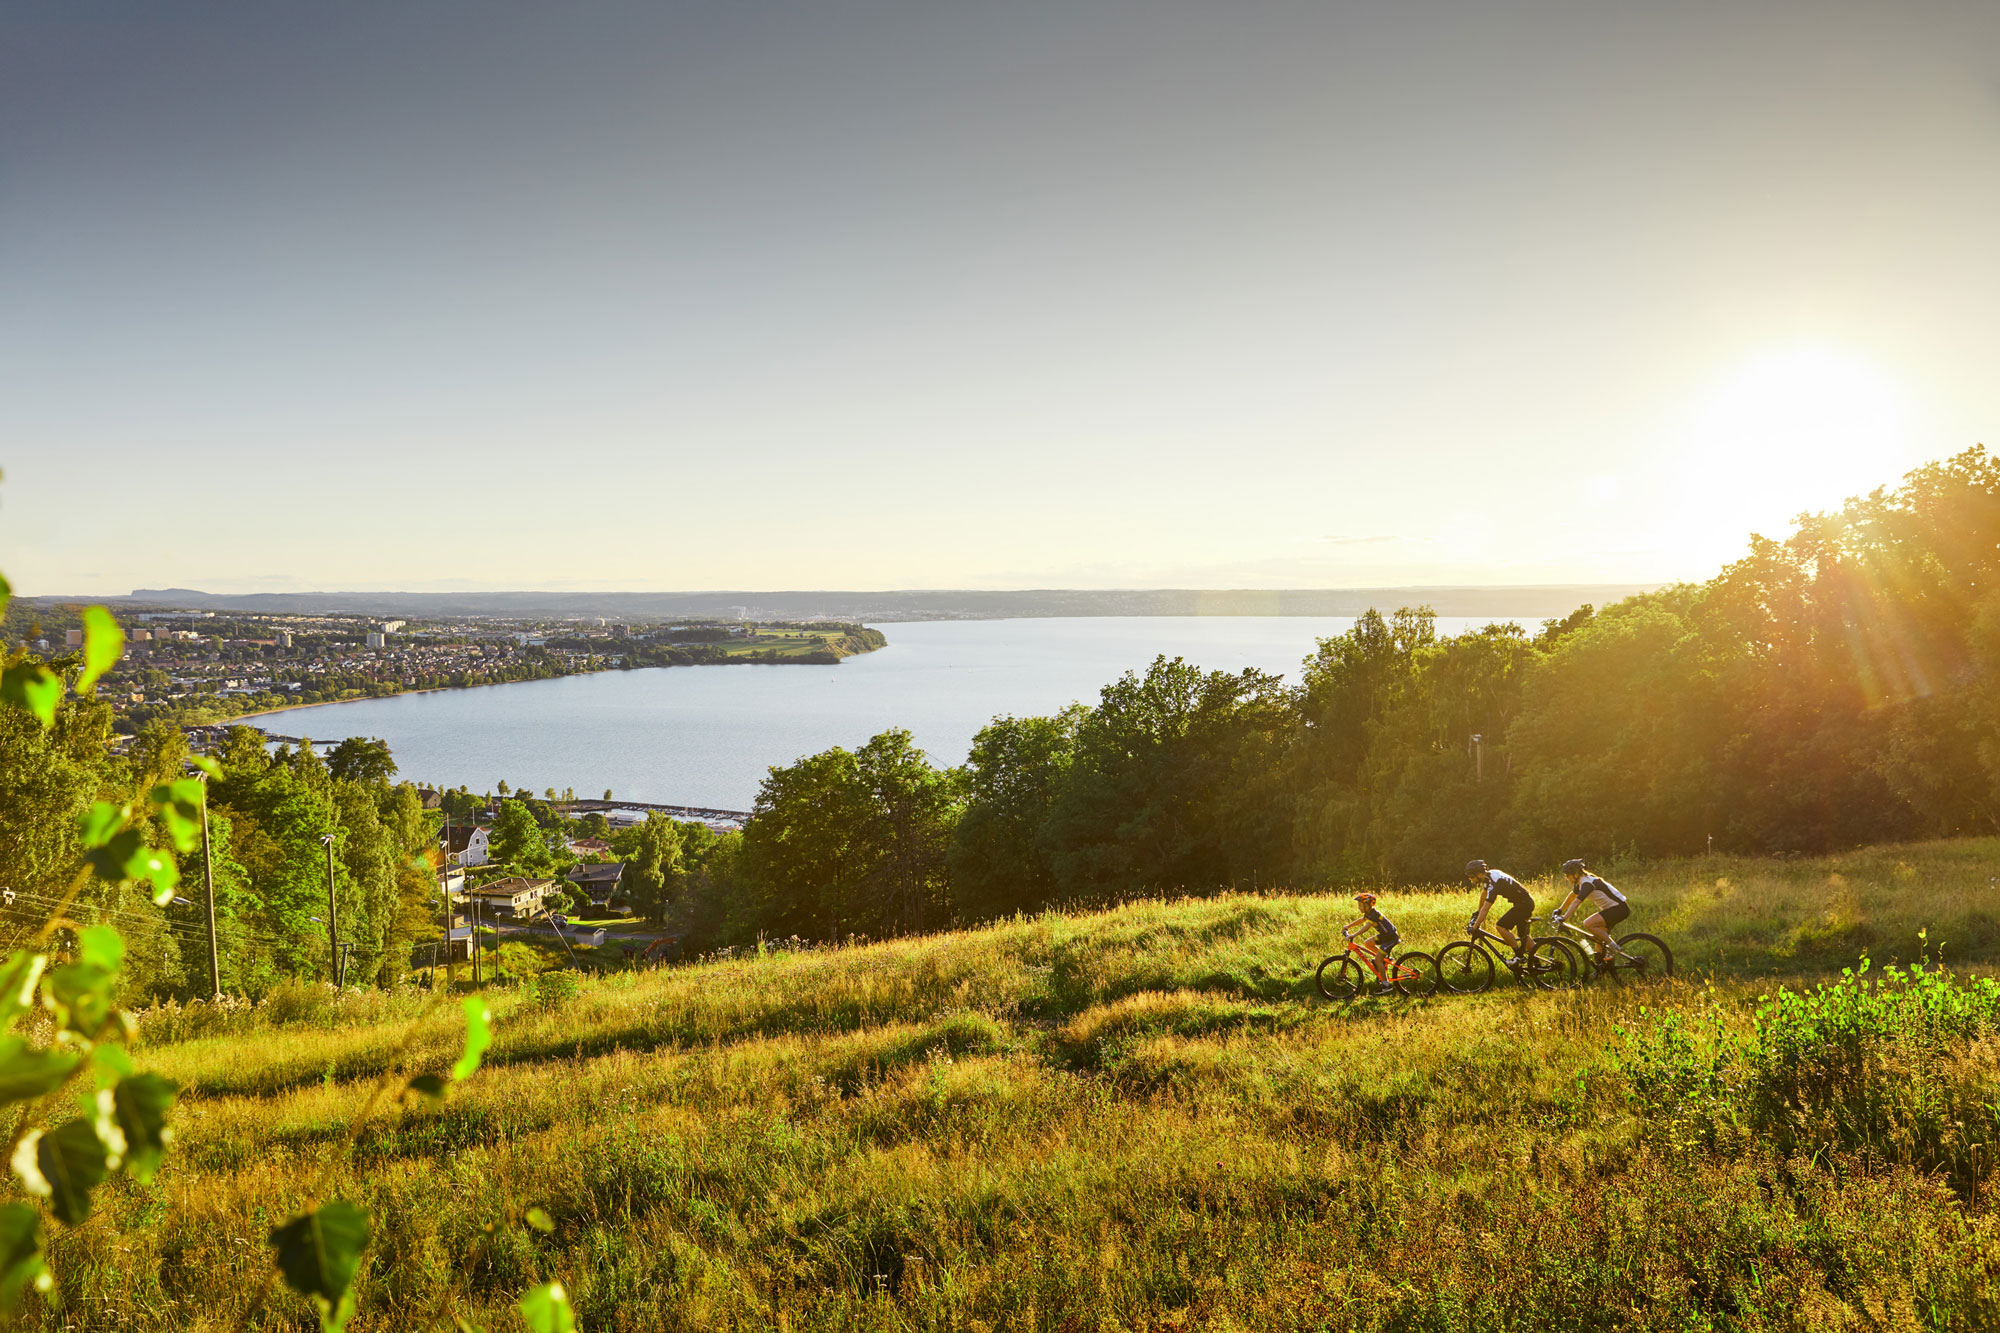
<point>705,735</point>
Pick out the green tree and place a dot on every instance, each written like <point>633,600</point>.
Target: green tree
<point>1017,768</point>
<point>517,839</point>
<point>359,759</point>
<point>652,853</point>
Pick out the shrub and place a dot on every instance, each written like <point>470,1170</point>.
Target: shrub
<point>553,989</point>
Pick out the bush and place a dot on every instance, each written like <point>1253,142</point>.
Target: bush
<point>1894,1069</point>
<point>554,989</point>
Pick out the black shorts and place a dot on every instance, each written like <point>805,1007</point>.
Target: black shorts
<point>1615,913</point>
<point>1387,943</point>
<point>1519,913</point>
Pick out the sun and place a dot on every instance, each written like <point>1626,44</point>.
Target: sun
<point>1790,432</point>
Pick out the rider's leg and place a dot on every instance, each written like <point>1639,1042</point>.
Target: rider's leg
<point>1601,933</point>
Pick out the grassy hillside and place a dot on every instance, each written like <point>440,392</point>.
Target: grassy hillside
<point>1134,1119</point>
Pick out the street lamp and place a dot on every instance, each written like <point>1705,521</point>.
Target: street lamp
<point>332,917</point>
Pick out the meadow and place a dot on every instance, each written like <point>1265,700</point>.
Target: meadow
<point>1137,1118</point>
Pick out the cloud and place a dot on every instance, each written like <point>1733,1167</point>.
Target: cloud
<point>1358,541</point>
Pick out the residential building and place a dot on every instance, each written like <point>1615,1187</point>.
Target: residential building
<point>590,847</point>
<point>599,882</point>
<point>378,640</point>
<point>511,897</point>
<point>468,845</point>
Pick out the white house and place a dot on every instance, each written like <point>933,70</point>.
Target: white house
<point>514,896</point>
<point>468,845</point>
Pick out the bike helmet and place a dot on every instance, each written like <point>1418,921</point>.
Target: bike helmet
<point>1573,866</point>
<point>1475,867</point>
<point>1365,899</point>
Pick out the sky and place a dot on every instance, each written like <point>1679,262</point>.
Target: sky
<point>852,295</point>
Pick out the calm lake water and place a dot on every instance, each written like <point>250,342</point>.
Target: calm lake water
<point>706,735</point>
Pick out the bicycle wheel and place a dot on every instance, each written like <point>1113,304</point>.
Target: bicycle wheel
<point>1341,978</point>
<point>1416,974</point>
<point>1464,970</point>
<point>1551,965</point>
<point>1651,960</point>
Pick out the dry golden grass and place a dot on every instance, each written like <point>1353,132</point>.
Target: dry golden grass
<point>1134,1119</point>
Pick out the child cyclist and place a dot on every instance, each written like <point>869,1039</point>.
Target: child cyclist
<point>1608,906</point>
<point>1374,952</point>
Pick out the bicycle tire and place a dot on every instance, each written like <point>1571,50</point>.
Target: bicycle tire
<point>1464,969</point>
<point>1655,961</point>
<point>1340,977</point>
<point>1416,975</point>
<point>1550,965</point>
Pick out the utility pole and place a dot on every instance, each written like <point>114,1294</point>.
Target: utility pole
<point>450,956</point>
<point>1478,757</point>
<point>332,921</point>
<point>208,897</point>
<point>475,943</point>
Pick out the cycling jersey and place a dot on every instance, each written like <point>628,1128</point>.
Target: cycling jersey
<point>1385,929</point>
<point>1601,887</point>
<point>1500,884</point>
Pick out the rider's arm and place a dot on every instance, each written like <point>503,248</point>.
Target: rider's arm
<point>1567,904</point>
<point>1479,914</point>
<point>1351,927</point>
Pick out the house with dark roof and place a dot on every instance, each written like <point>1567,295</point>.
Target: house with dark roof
<point>511,897</point>
<point>599,882</point>
<point>467,844</point>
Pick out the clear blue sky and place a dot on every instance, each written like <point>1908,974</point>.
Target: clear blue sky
<point>645,295</point>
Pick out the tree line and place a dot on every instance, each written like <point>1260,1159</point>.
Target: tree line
<point>1836,687</point>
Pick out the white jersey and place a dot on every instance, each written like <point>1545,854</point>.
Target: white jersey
<point>1596,886</point>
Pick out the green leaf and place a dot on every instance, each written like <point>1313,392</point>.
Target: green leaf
<point>478,1036</point>
<point>82,994</point>
<point>319,1253</point>
<point>21,1263</point>
<point>206,765</point>
<point>100,946</point>
<point>18,976</point>
<point>27,1073</point>
<point>6,594</point>
<point>74,1161</point>
<point>179,804</point>
<point>97,826</point>
<point>142,1102</point>
<point>539,1219</point>
<point>546,1310</point>
<point>123,855</point>
<point>103,645</point>
<point>32,686</point>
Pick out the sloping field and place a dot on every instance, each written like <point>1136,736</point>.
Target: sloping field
<point>1134,1119</point>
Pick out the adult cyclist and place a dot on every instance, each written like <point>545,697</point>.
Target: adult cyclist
<point>1608,906</point>
<point>1495,884</point>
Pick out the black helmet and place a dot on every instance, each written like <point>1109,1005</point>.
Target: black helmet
<point>1475,867</point>
<point>1573,866</point>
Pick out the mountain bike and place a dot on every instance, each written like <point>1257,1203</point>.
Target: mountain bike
<point>1465,967</point>
<point>1645,957</point>
<point>1347,975</point>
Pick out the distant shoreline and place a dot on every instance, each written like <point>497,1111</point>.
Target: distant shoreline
<point>1516,601</point>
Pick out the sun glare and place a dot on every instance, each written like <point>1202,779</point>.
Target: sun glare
<point>1799,431</point>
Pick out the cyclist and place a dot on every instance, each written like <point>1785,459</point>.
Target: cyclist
<point>1385,939</point>
<point>1520,905</point>
<point>1608,906</point>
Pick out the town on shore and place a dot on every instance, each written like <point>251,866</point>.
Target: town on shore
<point>194,667</point>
